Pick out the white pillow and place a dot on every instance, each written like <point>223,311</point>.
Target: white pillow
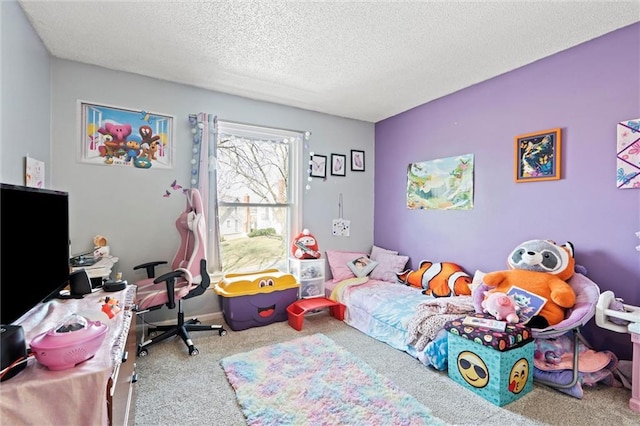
<point>362,266</point>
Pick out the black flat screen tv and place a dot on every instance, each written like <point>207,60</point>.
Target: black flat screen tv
<point>34,248</point>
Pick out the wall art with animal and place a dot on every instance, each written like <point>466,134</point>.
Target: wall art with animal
<point>117,136</point>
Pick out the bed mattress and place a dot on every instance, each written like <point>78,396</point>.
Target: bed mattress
<point>383,310</point>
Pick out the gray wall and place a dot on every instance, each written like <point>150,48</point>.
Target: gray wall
<point>126,204</point>
<point>25,96</point>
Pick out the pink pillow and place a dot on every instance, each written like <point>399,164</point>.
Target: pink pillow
<point>338,263</point>
<point>377,251</point>
<point>388,265</point>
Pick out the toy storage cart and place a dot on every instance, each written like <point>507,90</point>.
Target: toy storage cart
<point>256,299</point>
<point>626,321</point>
<point>497,365</point>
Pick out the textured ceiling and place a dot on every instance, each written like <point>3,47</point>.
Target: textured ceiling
<point>367,60</point>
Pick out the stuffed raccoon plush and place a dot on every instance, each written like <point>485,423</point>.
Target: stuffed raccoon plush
<point>541,267</point>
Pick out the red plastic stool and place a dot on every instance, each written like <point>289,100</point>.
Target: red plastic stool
<point>298,309</point>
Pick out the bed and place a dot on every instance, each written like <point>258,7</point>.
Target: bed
<point>393,313</point>
<point>387,310</point>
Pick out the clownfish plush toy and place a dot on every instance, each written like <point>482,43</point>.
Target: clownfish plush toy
<point>440,279</point>
<point>305,246</point>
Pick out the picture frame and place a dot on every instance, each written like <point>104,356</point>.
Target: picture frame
<point>357,160</point>
<point>338,165</point>
<point>537,156</point>
<point>318,166</point>
<point>118,136</point>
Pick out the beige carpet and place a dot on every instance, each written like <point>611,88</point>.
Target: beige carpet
<point>176,389</point>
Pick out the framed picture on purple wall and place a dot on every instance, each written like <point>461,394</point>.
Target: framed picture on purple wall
<point>537,156</point>
<point>628,154</point>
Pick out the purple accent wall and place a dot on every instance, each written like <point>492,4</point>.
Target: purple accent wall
<point>585,91</point>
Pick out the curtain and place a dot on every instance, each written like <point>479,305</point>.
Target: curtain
<point>203,178</point>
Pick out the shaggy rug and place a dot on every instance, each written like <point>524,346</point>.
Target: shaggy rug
<point>313,381</point>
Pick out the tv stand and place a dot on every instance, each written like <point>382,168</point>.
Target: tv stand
<point>99,391</point>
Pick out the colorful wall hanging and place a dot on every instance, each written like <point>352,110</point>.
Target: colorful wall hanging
<point>443,184</point>
<point>628,160</point>
<point>125,137</point>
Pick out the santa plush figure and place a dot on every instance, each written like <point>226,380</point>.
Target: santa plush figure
<point>305,246</point>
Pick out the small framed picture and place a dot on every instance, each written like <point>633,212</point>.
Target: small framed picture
<point>338,162</point>
<point>318,165</point>
<point>357,161</point>
<point>537,156</point>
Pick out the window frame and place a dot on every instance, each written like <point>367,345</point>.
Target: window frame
<point>294,186</point>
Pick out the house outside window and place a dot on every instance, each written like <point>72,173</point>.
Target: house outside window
<point>258,181</point>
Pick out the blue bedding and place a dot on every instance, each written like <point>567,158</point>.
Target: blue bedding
<point>383,311</point>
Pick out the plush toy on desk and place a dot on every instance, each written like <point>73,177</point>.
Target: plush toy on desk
<point>541,267</point>
<point>305,246</point>
<point>441,279</point>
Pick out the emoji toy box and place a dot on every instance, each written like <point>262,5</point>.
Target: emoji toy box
<point>257,298</point>
<point>495,364</point>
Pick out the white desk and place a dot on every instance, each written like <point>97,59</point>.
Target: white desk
<point>101,269</point>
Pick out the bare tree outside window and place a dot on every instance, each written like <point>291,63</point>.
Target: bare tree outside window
<point>254,199</point>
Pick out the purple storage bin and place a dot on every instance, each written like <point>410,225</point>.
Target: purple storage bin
<point>256,299</point>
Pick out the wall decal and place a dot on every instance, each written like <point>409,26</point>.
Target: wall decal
<point>125,137</point>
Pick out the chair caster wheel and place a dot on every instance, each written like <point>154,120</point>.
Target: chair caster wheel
<point>222,332</point>
<point>194,352</point>
<point>153,334</point>
<point>143,352</point>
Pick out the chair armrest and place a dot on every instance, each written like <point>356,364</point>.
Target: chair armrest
<point>170,279</point>
<point>150,267</point>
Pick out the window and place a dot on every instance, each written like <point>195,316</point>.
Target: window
<point>258,189</point>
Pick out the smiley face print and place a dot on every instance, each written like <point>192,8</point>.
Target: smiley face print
<point>518,376</point>
<point>473,369</point>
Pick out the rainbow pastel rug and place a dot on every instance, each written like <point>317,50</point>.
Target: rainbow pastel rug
<point>313,381</point>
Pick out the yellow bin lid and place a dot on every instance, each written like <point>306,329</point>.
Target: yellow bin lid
<point>266,281</point>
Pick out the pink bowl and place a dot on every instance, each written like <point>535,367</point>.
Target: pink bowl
<point>71,342</point>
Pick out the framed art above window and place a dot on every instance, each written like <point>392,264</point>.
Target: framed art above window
<point>357,161</point>
<point>537,156</point>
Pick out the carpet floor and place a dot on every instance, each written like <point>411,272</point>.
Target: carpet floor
<point>174,388</point>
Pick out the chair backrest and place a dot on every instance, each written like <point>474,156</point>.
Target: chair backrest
<point>191,256</point>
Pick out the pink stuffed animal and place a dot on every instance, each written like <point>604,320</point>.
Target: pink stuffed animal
<point>501,306</point>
